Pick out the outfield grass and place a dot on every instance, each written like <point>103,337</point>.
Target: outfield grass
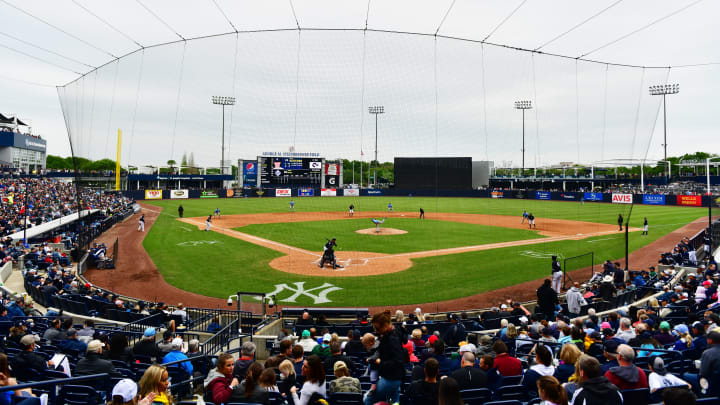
<point>218,265</point>
<point>422,235</point>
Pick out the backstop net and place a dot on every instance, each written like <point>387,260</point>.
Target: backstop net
<point>318,92</point>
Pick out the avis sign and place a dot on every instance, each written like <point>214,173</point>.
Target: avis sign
<point>318,294</point>
<point>622,198</point>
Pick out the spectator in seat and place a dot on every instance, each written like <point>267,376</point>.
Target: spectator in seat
<point>335,356</point>
<point>180,311</point>
<point>550,391</point>
<point>27,359</point>
<point>249,389</point>
<point>214,325</point>
<point>125,393</point>
<point>201,364</point>
<point>354,345</point>
<point>146,346</point>
<point>307,342</point>
<point>425,391</point>
<point>287,377</point>
<point>456,332</point>
<point>120,349</point>
<point>343,382</point>
<point>664,337</point>
<point>594,388</point>
<point>626,376</point>
<point>298,353</point>
<point>219,383</point>
<point>444,363</point>
<point>494,379</point>
<point>165,346</point>
<point>177,354</point>
<point>467,376</point>
<point>156,380</point>
<point>660,378</point>
<point>626,331</point>
<point>53,332</point>
<point>88,329</point>
<point>72,343</point>
<point>305,319</point>
<point>610,353</point>
<point>16,308</point>
<point>569,354</point>
<point>244,362</point>
<point>678,396</point>
<point>323,350</point>
<point>505,364</point>
<point>543,367</point>
<point>314,381</point>
<point>92,363</point>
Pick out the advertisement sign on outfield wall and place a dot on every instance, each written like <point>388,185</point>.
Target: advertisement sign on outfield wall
<point>622,198</point>
<point>208,194</point>
<point>179,194</point>
<point>306,192</point>
<point>689,200</point>
<point>567,196</point>
<point>351,192</point>
<point>542,195</point>
<point>653,199</point>
<point>283,192</point>
<point>153,194</point>
<point>497,194</point>
<point>593,197</point>
<point>328,192</point>
<point>375,192</point>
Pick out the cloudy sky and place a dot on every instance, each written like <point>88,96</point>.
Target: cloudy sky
<point>309,89</point>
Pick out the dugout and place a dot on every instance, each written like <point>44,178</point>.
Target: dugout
<point>447,173</point>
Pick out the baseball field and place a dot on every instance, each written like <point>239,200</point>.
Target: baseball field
<point>463,247</point>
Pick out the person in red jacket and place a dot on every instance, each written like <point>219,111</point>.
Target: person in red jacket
<point>219,383</point>
<point>505,364</point>
<point>626,376</point>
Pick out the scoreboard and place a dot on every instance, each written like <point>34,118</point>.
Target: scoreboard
<point>290,170</point>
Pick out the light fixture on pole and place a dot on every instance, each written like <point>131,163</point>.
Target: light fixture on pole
<point>523,105</point>
<point>377,110</point>
<point>223,101</point>
<point>663,90</point>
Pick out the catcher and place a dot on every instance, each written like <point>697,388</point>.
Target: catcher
<point>329,255</point>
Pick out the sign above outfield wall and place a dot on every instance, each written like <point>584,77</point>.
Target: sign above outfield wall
<point>328,192</point>
<point>542,195</point>
<point>153,194</point>
<point>283,192</point>
<point>351,192</point>
<point>622,198</point>
<point>690,200</point>
<point>179,194</point>
<point>593,197</point>
<point>653,199</point>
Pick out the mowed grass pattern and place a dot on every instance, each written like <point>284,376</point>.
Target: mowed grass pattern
<point>217,265</point>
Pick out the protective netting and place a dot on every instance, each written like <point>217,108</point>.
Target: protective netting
<point>309,91</point>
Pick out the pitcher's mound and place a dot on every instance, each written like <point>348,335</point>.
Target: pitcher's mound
<point>383,231</point>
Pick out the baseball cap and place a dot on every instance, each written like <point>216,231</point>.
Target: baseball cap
<point>149,332</point>
<point>94,346</point>
<point>605,325</point>
<point>305,334</point>
<point>596,335</point>
<point>503,306</point>
<point>611,346</point>
<point>707,283</point>
<point>432,339</point>
<point>27,340</point>
<point>125,388</point>
<point>680,328</point>
<point>418,310</point>
<point>338,365</point>
<point>467,348</point>
<point>327,337</point>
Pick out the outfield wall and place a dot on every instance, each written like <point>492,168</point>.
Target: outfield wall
<point>579,197</point>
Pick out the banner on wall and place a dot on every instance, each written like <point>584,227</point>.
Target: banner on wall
<point>179,194</point>
<point>497,194</point>
<point>374,192</point>
<point>331,169</point>
<point>542,195</point>
<point>208,194</point>
<point>622,198</point>
<point>567,196</point>
<point>328,192</point>
<point>593,196</point>
<point>653,199</point>
<point>690,200</point>
<point>306,191</point>
<point>283,192</point>
<point>351,192</point>
<point>153,194</point>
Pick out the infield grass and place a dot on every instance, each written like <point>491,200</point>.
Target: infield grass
<point>217,265</point>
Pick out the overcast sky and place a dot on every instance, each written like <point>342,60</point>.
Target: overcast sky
<point>310,89</point>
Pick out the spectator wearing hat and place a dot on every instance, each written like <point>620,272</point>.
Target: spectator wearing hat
<point>16,308</point>
<point>659,377</point>
<point>28,360</point>
<point>468,376</point>
<point>343,381</point>
<point>505,364</point>
<point>610,353</point>
<point>125,392</point>
<point>700,341</point>
<point>456,332</point>
<point>92,363</point>
<point>146,346</point>
<point>607,288</point>
<point>626,376</point>
<point>307,342</point>
<point>684,341</point>
<point>246,359</point>
<point>72,343</point>
<point>323,350</point>
<point>177,354</point>
<point>664,337</point>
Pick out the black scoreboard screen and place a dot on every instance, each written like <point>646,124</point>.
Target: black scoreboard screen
<point>290,170</point>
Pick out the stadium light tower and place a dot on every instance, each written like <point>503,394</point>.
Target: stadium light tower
<point>223,101</point>
<point>663,90</point>
<point>523,105</point>
<point>377,110</point>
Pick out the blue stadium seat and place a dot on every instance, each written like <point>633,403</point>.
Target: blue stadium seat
<point>346,398</point>
<point>78,395</point>
<point>507,392</point>
<point>508,402</point>
<point>477,396</point>
<point>640,396</point>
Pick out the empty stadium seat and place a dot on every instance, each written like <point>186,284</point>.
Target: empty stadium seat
<point>640,396</point>
<point>78,394</point>
<point>507,392</point>
<point>346,398</point>
<point>477,396</point>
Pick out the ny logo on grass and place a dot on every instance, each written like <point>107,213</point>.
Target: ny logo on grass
<point>320,298</point>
